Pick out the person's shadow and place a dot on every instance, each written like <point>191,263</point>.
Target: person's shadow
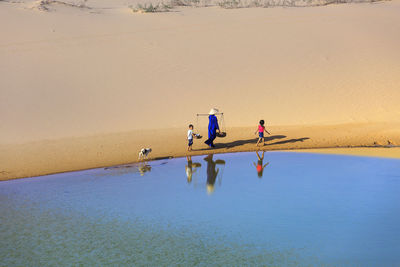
<point>248,141</point>
<point>212,172</point>
<point>275,138</point>
<point>294,140</point>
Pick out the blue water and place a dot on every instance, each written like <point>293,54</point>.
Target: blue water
<point>293,209</point>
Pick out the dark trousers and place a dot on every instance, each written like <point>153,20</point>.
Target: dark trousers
<point>210,140</point>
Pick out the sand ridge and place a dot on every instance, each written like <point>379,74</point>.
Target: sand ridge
<point>156,6</point>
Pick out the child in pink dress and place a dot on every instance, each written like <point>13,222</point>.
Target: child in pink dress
<point>261,129</point>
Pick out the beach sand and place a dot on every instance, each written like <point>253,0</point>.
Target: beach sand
<point>52,156</point>
<point>89,87</point>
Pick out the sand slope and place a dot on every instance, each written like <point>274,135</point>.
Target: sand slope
<point>70,73</point>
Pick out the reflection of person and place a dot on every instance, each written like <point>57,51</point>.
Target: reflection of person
<point>189,168</point>
<point>259,166</point>
<point>261,129</point>
<point>212,172</point>
<point>213,127</point>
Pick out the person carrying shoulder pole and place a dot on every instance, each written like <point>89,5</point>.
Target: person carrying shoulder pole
<point>213,127</point>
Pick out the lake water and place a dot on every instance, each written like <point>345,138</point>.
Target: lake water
<point>293,209</point>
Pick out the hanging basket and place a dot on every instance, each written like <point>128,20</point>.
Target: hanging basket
<point>221,134</point>
<point>221,122</point>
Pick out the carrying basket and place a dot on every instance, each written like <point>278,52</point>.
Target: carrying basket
<point>221,134</point>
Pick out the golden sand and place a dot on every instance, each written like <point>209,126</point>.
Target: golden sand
<point>51,156</point>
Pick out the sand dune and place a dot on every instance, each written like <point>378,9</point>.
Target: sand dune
<point>89,68</point>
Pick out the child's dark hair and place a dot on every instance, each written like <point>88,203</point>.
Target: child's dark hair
<point>190,125</point>
<point>262,122</point>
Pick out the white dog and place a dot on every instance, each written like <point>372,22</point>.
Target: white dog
<point>144,152</point>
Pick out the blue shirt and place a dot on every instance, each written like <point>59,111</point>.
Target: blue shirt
<point>212,125</point>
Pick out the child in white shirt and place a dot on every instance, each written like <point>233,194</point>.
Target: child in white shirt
<point>190,135</point>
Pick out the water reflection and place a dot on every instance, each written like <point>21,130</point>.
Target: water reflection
<point>259,166</point>
<point>191,168</point>
<point>213,171</point>
<point>118,170</point>
<point>140,168</point>
<point>143,168</point>
<point>303,217</point>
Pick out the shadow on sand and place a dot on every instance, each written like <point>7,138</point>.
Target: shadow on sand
<point>248,141</point>
<point>254,141</point>
<point>288,141</point>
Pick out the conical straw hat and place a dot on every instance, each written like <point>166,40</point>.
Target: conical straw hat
<point>210,189</point>
<point>213,111</point>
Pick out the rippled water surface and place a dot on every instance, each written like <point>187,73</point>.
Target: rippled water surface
<point>289,209</point>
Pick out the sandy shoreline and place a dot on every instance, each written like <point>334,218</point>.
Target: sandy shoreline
<point>70,154</point>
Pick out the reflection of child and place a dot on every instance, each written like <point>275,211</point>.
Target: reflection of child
<point>261,129</point>
<point>191,168</point>
<point>259,166</point>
